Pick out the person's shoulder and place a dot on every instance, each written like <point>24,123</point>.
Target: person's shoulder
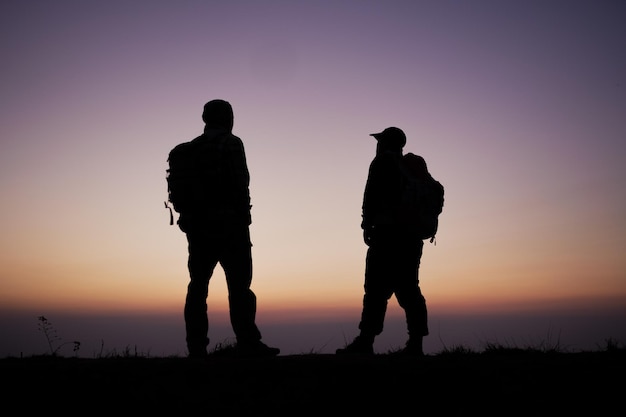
<point>233,142</point>
<point>233,137</point>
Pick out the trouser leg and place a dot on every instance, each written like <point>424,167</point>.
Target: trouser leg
<point>196,320</point>
<point>409,294</point>
<point>237,264</point>
<point>377,293</point>
<point>201,263</point>
<point>414,305</point>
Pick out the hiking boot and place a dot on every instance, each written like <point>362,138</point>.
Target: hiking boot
<point>256,349</point>
<point>196,347</point>
<point>413,347</point>
<point>359,346</point>
<point>198,354</point>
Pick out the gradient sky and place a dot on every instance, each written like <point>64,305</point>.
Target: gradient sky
<point>519,108</point>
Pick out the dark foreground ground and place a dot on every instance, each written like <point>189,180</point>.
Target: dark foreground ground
<point>511,383</point>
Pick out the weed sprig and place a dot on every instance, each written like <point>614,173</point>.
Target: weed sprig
<point>55,343</point>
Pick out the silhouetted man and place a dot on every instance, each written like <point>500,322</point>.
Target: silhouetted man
<point>215,218</point>
<point>394,251</point>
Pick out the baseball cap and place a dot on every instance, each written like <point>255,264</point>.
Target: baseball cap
<point>392,136</point>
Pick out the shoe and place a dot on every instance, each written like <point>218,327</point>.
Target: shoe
<point>196,347</point>
<point>256,349</point>
<point>198,354</point>
<point>359,346</point>
<point>413,347</point>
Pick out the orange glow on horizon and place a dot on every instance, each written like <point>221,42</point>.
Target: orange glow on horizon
<point>290,311</point>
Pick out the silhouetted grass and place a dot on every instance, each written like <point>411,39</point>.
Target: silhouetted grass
<point>498,380</point>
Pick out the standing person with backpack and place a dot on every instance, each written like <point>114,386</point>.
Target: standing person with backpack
<point>394,250</point>
<point>208,184</point>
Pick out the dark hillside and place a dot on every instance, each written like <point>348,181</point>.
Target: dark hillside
<point>513,383</point>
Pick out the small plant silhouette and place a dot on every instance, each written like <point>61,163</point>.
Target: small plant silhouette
<point>55,343</point>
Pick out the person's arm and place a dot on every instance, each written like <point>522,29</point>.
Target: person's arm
<point>240,177</point>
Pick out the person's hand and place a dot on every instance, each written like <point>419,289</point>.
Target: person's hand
<point>368,235</point>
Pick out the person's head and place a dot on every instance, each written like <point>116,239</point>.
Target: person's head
<point>391,139</point>
<point>218,114</point>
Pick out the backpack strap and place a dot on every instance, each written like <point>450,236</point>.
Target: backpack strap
<point>167,206</point>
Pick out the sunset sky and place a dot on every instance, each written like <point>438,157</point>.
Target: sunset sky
<point>518,107</point>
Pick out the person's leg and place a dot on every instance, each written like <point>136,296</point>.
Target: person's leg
<point>201,263</point>
<point>236,260</point>
<point>414,305</point>
<point>410,298</point>
<point>377,293</point>
<point>237,263</point>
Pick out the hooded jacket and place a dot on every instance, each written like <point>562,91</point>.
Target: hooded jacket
<point>383,190</point>
<point>222,166</point>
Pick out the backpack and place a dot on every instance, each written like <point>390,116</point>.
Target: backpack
<point>193,176</point>
<point>422,198</point>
